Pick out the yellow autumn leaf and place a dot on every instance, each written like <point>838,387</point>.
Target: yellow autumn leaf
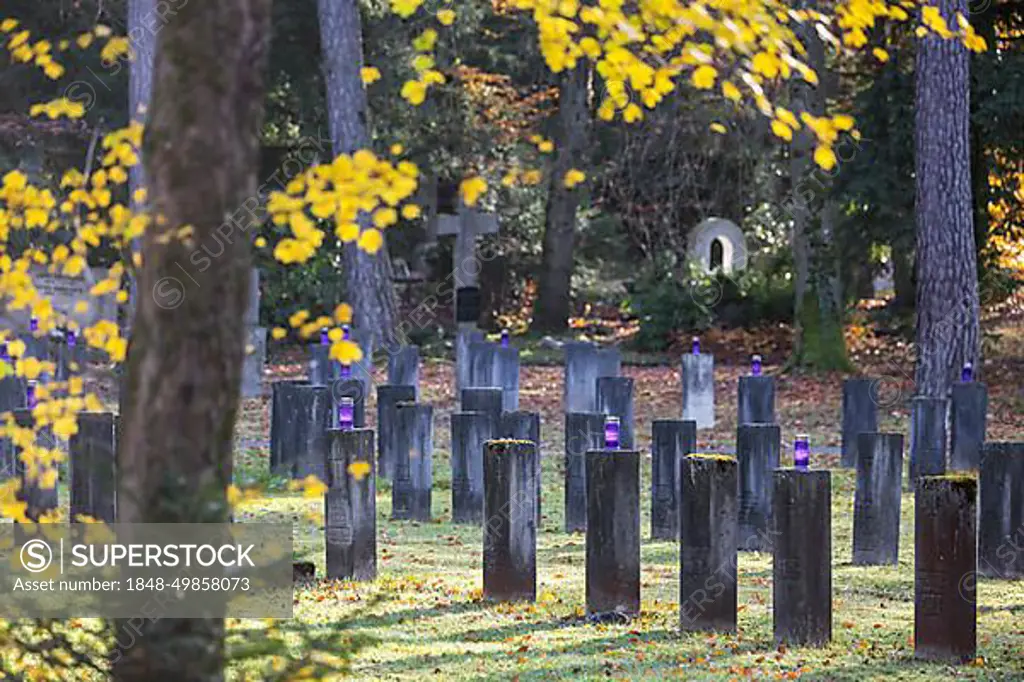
<point>414,92</point>
<point>573,177</point>
<point>411,211</point>
<point>471,189</point>
<point>704,77</point>
<point>717,127</point>
<point>782,130</point>
<point>371,240</point>
<point>359,470</point>
<point>446,17</point>
<point>343,313</point>
<point>346,352</point>
<point>369,74</point>
<point>825,157</point>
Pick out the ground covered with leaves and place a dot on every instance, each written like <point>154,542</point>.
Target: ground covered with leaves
<point>424,616</point>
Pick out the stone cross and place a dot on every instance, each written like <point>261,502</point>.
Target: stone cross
<point>466,224</point>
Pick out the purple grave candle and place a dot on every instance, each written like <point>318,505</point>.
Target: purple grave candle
<point>4,354</point>
<point>755,365</point>
<point>30,394</point>
<point>967,374</point>
<point>69,337</point>
<point>346,414</point>
<point>504,338</point>
<point>345,333</point>
<point>325,338</point>
<point>33,324</point>
<point>346,371</point>
<point>802,452</point>
<point>696,346</point>
<point>611,433</point>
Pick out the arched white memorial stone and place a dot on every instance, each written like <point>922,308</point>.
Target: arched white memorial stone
<point>729,236</point>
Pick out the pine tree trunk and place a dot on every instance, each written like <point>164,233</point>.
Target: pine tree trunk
<point>947,278</point>
<point>369,281</point>
<point>141,21</point>
<point>185,361</point>
<point>142,16</point>
<point>551,311</point>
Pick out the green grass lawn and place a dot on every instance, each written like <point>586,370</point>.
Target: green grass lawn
<point>427,618</point>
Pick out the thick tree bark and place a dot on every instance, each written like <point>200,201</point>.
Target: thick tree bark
<point>818,306</point>
<point>368,278</point>
<point>185,360</point>
<point>551,311</point>
<point>947,278</point>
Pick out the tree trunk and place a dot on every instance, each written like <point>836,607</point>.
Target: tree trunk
<point>947,277</point>
<point>185,360</point>
<point>142,16</point>
<point>142,36</point>
<point>903,275</point>
<point>551,311</point>
<point>368,278</point>
<point>818,308</point>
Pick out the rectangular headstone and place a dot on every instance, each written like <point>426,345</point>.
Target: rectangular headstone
<point>584,363</point>
<point>615,398</point>
<point>255,360</point>
<point>879,492</point>
<point>410,491</point>
<point>12,397</point>
<point>388,398</point>
<point>92,455</point>
<point>708,519</point>
<point>1001,518</point>
<point>404,367</point>
<point>758,449</point>
<point>860,415</point>
<point>968,410</point>
<point>39,499</point>
<point>486,400</point>
<point>482,359</point>
<point>613,534</point>
<point>465,336</point>
<point>698,380</point>
<point>671,440</point>
<point>283,415</point>
<point>756,400</point>
<point>584,431</point>
<point>802,565</point>
<point>506,376</point>
<point>350,506</point>
<point>945,562</point>
<point>521,425</point>
<point>470,431</point>
<point>927,437</point>
<point>312,419</point>
<point>65,293</point>
<point>252,308</point>
<point>510,529</point>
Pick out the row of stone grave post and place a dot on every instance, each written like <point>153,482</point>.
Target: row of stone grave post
<point>796,529</point>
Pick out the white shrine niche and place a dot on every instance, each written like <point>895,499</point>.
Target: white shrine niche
<point>718,244</point>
